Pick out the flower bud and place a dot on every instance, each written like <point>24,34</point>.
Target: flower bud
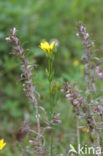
<point>100,75</point>
<point>77,34</point>
<point>8,39</point>
<point>58,121</point>
<point>75,102</point>
<point>31,142</point>
<point>86,36</point>
<point>68,95</point>
<point>14,31</point>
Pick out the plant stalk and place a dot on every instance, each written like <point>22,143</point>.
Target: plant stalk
<point>51,104</point>
<point>78,134</point>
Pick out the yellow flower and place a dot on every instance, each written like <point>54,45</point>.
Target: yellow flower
<point>76,63</point>
<point>2,144</point>
<point>85,130</point>
<point>46,46</point>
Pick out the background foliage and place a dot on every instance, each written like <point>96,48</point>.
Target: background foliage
<point>36,20</point>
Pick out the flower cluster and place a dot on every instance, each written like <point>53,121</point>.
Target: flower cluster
<point>28,87</point>
<point>90,67</point>
<point>77,100</point>
<point>85,40</point>
<point>26,68</point>
<point>80,105</point>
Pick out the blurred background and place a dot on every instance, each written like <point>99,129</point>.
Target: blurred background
<point>36,20</point>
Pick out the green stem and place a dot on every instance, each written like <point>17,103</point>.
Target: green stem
<point>50,96</point>
<point>51,140</point>
<point>51,105</point>
<point>78,133</point>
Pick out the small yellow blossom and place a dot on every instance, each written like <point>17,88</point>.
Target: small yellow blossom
<point>76,63</point>
<point>85,130</point>
<point>46,46</point>
<point>2,144</point>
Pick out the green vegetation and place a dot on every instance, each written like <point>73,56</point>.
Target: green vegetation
<point>36,20</point>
